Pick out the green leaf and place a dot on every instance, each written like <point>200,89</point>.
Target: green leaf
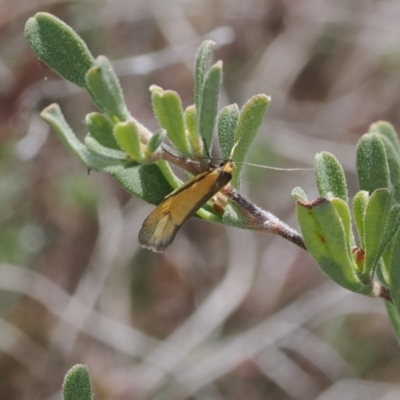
<point>330,176</point>
<point>376,216</point>
<point>249,122</point>
<point>385,129</point>
<point>383,273</point>
<point>194,138</point>
<point>77,384</point>
<point>394,317</point>
<point>372,165</point>
<point>209,105</point>
<point>388,244</point>
<point>96,149</point>
<point>106,90</point>
<point>392,225</point>
<point>155,142</point>
<point>150,182</point>
<point>393,160</point>
<point>232,217</point>
<point>167,107</point>
<point>53,115</point>
<point>360,203</point>
<point>203,60</point>
<point>299,194</point>
<point>127,136</point>
<point>101,129</point>
<point>57,45</point>
<point>146,181</point>
<point>325,239</point>
<point>394,271</point>
<point>228,119</point>
<point>344,213</point>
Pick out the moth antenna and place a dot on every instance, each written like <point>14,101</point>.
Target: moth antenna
<point>274,168</point>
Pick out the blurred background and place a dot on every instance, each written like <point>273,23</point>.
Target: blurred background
<point>223,314</point>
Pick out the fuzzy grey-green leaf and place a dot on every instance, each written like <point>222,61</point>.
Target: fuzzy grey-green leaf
<point>392,225</point>
<point>127,136</point>
<point>376,216</point>
<point>228,119</point>
<point>203,60</point>
<point>387,130</point>
<point>387,243</point>
<point>324,236</point>
<point>360,203</point>
<point>372,165</point>
<point>329,176</point>
<point>57,45</point>
<point>209,105</point>
<point>194,138</point>
<point>393,160</point>
<point>101,129</point>
<point>343,212</point>
<point>250,121</point>
<point>393,312</point>
<point>106,90</point>
<point>299,194</point>
<point>53,115</point>
<point>167,107</point>
<point>394,271</point>
<point>155,142</point>
<point>77,384</point>
<point>146,181</point>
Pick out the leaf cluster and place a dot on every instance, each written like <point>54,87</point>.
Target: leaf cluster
<point>118,144</point>
<point>371,265</point>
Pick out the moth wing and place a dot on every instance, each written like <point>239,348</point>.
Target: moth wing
<point>160,227</point>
